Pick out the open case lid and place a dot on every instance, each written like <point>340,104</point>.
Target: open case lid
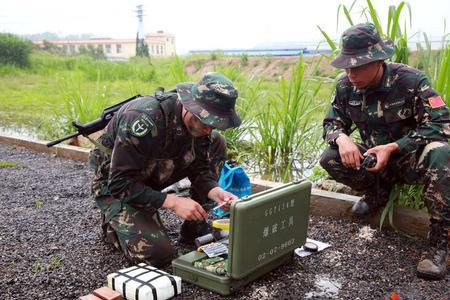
<point>266,226</point>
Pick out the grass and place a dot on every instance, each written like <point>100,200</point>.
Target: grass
<point>369,14</point>
<point>282,115</point>
<point>54,263</point>
<point>56,90</point>
<point>285,130</point>
<point>8,164</point>
<point>38,203</point>
<point>37,267</point>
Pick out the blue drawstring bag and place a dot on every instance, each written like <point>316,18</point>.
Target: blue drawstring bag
<point>233,179</point>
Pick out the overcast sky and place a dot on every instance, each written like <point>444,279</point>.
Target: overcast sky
<point>202,24</point>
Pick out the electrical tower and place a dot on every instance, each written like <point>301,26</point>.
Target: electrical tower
<point>140,16</point>
<point>141,46</point>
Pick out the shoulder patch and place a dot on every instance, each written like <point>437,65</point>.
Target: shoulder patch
<point>142,125</point>
<point>436,101</point>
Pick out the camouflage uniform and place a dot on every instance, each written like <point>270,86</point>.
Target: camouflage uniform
<point>152,149</point>
<point>404,109</point>
<point>397,111</point>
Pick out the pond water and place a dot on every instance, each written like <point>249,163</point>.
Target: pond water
<point>18,131</point>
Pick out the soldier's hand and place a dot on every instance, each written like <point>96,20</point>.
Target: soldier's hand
<point>222,197</point>
<point>350,155</point>
<point>383,153</point>
<point>185,208</point>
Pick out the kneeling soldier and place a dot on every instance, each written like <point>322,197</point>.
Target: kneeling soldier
<point>151,143</point>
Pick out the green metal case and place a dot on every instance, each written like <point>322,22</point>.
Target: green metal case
<point>265,228</point>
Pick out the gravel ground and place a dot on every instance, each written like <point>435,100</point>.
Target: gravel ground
<point>51,246</point>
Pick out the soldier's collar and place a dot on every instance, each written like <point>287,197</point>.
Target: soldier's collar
<point>180,128</point>
<point>385,84</point>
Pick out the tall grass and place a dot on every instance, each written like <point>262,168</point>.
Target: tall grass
<point>239,145</point>
<point>136,69</point>
<point>177,70</point>
<point>79,104</point>
<point>14,50</point>
<point>393,28</point>
<point>284,129</point>
<point>78,88</point>
<point>436,65</point>
<point>442,82</point>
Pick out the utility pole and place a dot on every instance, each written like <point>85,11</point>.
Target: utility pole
<point>141,47</point>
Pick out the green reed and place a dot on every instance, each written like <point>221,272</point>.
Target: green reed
<point>285,132</point>
<point>393,28</point>
<point>79,104</point>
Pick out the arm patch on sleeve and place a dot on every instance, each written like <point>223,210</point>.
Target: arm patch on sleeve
<point>436,101</point>
<point>142,125</point>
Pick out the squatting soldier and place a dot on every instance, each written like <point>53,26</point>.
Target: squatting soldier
<point>151,143</point>
<point>403,121</point>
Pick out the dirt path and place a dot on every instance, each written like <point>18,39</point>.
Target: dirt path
<point>51,248</point>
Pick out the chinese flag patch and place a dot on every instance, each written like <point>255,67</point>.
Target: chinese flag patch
<point>436,101</point>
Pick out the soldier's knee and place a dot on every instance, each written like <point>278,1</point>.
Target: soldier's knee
<point>330,154</point>
<point>156,254</point>
<point>435,155</point>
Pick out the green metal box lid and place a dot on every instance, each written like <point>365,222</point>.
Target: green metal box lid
<point>266,226</point>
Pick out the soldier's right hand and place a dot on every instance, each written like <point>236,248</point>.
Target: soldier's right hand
<point>350,155</point>
<point>185,208</point>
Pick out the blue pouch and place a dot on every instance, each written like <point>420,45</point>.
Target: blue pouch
<point>233,179</point>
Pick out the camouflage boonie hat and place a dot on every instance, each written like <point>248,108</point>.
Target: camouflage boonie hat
<point>212,100</point>
<point>362,44</point>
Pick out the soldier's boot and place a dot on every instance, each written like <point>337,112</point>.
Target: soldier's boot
<point>190,230</point>
<point>434,266</point>
<point>371,201</point>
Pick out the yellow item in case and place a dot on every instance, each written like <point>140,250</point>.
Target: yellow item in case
<point>223,224</point>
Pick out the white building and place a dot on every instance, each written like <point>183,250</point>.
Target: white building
<point>159,44</point>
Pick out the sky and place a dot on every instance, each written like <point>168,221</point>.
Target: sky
<point>202,24</point>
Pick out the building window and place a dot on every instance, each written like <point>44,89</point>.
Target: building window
<point>119,48</point>
<point>108,48</point>
<point>157,49</point>
<point>153,49</point>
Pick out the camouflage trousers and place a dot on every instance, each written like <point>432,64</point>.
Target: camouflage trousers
<point>430,166</point>
<point>139,234</point>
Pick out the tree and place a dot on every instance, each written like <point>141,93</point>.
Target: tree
<point>14,50</point>
<point>141,47</point>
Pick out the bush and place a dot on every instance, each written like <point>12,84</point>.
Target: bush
<point>244,59</point>
<point>14,50</point>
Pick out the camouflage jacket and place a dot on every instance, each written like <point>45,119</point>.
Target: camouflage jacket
<point>404,109</point>
<point>150,145</point>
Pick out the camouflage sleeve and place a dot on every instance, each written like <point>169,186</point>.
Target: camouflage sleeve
<point>200,172</point>
<point>125,180</point>
<point>336,120</point>
<point>433,118</point>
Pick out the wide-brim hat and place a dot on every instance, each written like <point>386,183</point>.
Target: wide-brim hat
<point>362,44</point>
<point>212,100</point>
